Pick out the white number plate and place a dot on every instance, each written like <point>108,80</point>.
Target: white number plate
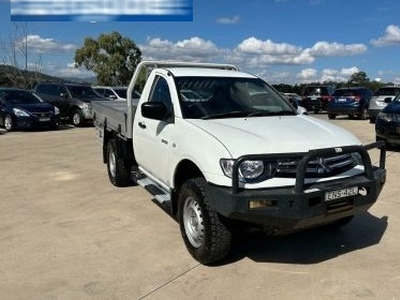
<point>342,99</point>
<point>351,191</point>
<point>44,119</point>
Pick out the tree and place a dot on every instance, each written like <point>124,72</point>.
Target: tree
<point>112,58</point>
<point>359,78</point>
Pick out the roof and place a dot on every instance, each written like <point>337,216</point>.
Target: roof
<point>206,72</point>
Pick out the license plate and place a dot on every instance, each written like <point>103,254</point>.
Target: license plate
<point>314,98</point>
<point>44,119</point>
<point>342,99</point>
<point>351,191</point>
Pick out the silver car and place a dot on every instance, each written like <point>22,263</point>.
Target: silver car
<point>380,99</point>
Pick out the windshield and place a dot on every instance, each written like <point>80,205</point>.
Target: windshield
<point>218,97</point>
<point>20,97</point>
<point>78,91</point>
<point>388,91</point>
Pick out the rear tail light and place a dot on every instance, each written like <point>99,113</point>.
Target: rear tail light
<point>357,98</point>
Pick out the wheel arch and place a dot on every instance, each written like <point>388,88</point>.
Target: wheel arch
<point>185,170</point>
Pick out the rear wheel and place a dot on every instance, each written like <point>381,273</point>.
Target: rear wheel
<point>9,123</point>
<point>119,171</point>
<point>331,116</point>
<point>363,114</point>
<point>207,237</point>
<point>372,120</point>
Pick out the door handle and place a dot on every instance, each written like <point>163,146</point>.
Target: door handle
<point>142,125</point>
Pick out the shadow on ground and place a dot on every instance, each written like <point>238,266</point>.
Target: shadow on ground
<point>311,246</point>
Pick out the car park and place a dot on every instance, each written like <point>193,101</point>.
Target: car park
<point>23,109</point>
<point>381,98</point>
<point>114,93</point>
<point>387,124</point>
<point>296,101</point>
<point>351,101</point>
<point>73,100</point>
<point>316,97</point>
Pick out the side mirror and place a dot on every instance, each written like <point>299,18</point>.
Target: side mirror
<point>388,100</point>
<point>155,111</point>
<point>64,95</point>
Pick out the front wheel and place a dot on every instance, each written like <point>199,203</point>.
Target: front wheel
<point>9,123</point>
<point>77,118</point>
<point>331,116</point>
<point>207,237</point>
<point>119,171</point>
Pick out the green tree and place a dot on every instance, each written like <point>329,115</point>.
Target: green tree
<point>112,58</point>
<point>359,79</point>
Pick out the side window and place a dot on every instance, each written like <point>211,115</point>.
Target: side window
<point>108,93</point>
<point>60,90</point>
<point>160,92</point>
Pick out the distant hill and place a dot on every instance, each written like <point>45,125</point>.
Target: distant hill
<point>14,77</point>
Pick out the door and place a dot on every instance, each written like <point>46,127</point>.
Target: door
<point>153,143</point>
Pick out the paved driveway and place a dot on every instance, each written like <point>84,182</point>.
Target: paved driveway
<point>67,233</point>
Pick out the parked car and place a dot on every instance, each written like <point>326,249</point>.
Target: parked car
<point>115,93</point>
<point>351,101</point>
<point>73,100</point>
<point>296,101</point>
<point>23,109</point>
<point>316,97</point>
<point>387,124</point>
<point>380,99</point>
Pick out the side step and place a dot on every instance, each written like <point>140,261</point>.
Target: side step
<point>162,197</point>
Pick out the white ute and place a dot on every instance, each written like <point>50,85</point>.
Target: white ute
<point>217,147</point>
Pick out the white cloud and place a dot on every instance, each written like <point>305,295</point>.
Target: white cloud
<point>67,70</point>
<point>193,49</point>
<point>312,75</point>
<point>307,75</point>
<point>230,21</point>
<point>40,45</point>
<point>323,49</point>
<point>391,37</point>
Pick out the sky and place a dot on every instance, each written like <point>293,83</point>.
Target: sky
<point>283,41</point>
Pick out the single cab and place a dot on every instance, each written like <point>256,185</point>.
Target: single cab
<point>217,147</point>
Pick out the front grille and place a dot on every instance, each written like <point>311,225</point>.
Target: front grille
<point>42,114</point>
<point>318,167</point>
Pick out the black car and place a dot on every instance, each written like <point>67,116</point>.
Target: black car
<point>73,100</point>
<point>23,109</point>
<point>351,101</point>
<point>387,124</point>
<point>316,97</point>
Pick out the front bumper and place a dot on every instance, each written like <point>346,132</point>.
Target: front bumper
<point>34,122</point>
<point>389,131</point>
<point>302,206</point>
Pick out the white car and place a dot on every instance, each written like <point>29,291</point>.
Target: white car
<point>380,99</point>
<point>114,93</point>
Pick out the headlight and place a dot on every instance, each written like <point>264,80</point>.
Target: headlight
<point>249,170</point>
<point>20,113</point>
<point>389,117</point>
<point>87,106</point>
<point>56,111</point>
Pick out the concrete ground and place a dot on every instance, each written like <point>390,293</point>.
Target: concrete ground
<point>67,233</point>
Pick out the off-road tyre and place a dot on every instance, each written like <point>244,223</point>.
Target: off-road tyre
<point>331,116</point>
<point>119,170</point>
<point>206,234</point>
